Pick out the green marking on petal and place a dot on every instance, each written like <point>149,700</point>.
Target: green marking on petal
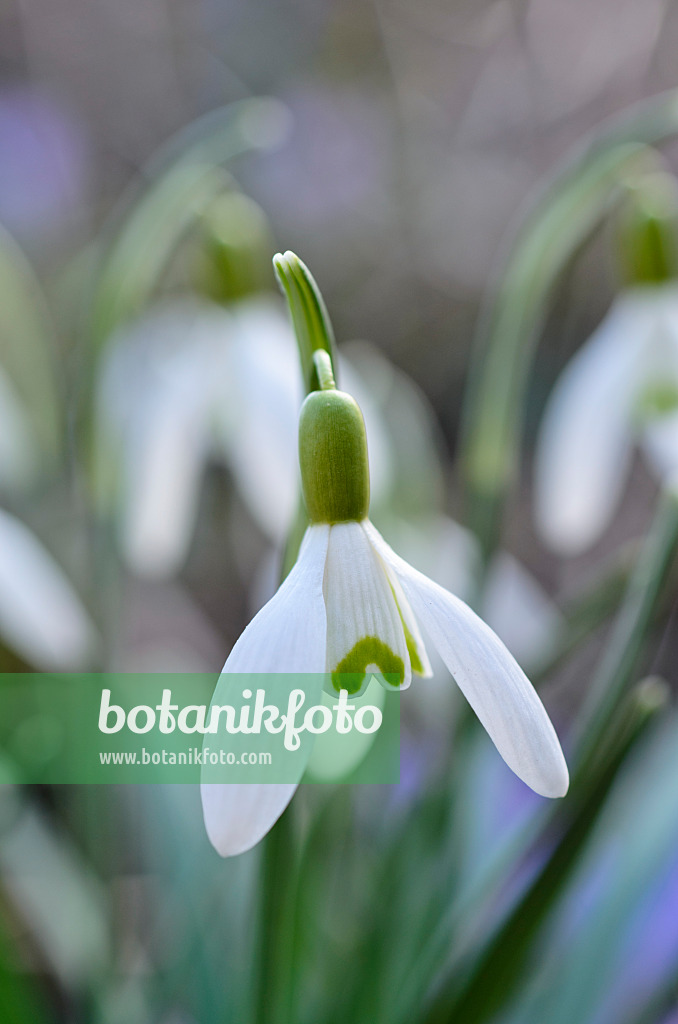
<point>370,650</point>
<point>415,660</point>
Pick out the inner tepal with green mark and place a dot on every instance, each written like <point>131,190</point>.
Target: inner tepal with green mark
<point>415,660</point>
<point>370,650</point>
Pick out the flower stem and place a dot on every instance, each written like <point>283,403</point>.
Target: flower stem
<point>324,370</point>
<point>273,997</point>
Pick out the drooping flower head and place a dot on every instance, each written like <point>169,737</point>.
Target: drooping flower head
<point>351,608</point>
<point>620,389</point>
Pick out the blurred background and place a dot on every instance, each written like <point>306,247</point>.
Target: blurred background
<point>416,136</point>
<point>148,398</point>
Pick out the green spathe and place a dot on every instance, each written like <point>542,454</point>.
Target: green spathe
<point>333,458</point>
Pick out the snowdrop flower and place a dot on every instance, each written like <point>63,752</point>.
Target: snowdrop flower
<point>170,391</point>
<point>351,607</point>
<point>514,605</point>
<point>620,389</point>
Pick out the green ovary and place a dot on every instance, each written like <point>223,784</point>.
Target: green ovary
<point>370,650</point>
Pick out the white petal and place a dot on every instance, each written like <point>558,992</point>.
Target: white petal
<point>257,424</point>
<point>488,676</point>
<point>361,609</point>
<point>419,661</point>
<point>41,616</point>
<point>168,341</point>
<point>584,446</point>
<point>165,464</point>
<point>288,635</point>
<point>447,552</point>
<point>237,817</point>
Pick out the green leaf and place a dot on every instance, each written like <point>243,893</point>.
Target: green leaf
<point>643,593</point>
<point>274,995</point>
<point>182,180</point>
<point>27,344</point>
<point>484,980</point>
<point>601,750</point>
<point>635,842</point>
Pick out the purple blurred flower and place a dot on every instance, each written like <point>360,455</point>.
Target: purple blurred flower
<point>42,163</point>
<point>334,163</point>
<point>415,771</point>
<point>651,944</point>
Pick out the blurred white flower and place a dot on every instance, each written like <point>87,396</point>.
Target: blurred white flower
<point>351,605</point>
<point>621,388</point>
<point>189,382</point>
<point>41,616</point>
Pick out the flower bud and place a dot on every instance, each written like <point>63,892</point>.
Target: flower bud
<point>335,475</point>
